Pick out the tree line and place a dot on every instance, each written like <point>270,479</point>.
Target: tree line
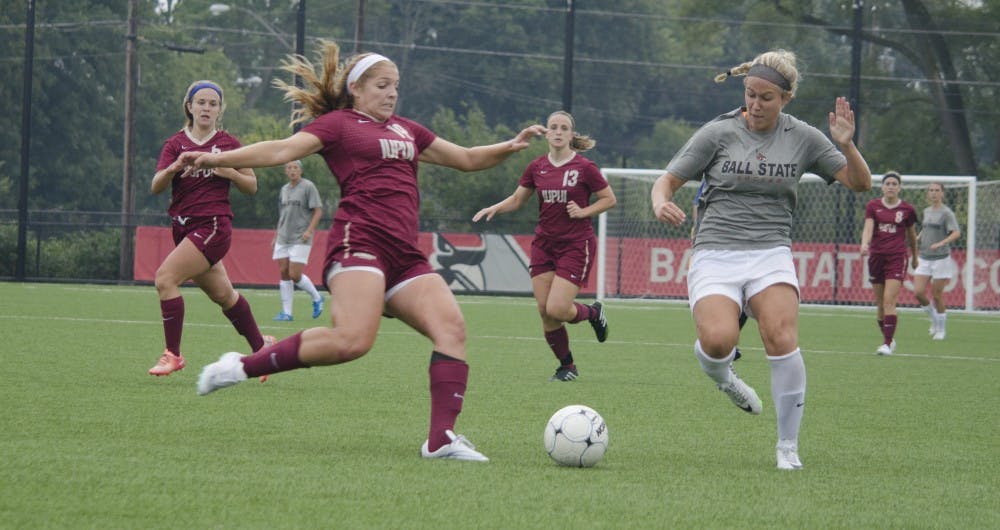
<point>477,71</point>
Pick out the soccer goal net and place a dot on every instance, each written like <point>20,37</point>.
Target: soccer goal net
<point>640,257</point>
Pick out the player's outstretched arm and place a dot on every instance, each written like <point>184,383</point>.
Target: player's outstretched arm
<point>261,154</point>
<point>512,202</point>
<point>444,153</point>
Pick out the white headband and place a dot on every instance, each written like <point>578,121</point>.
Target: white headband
<point>361,67</point>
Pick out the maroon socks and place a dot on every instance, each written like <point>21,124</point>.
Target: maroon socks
<point>448,379</point>
<point>242,319</point>
<point>559,342</point>
<point>173,322</point>
<point>889,328</point>
<point>583,312</point>
<point>280,357</point>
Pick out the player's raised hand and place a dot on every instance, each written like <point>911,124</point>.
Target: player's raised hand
<point>523,138</point>
<point>842,122</point>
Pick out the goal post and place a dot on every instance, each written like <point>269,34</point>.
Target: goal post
<point>639,257</point>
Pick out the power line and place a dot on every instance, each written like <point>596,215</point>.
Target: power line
<point>67,25</point>
<point>584,12</point>
<point>550,57</point>
<point>687,20</point>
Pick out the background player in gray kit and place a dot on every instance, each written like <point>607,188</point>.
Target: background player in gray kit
<point>300,208</point>
<point>752,159</point>
<point>373,264</point>
<point>938,230</point>
<point>564,247</point>
<point>201,223</point>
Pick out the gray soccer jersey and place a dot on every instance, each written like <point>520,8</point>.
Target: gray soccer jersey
<point>297,204</point>
<point>937,224</point>
<point>752,178</point>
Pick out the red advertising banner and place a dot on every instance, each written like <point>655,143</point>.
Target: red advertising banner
<point>635,267</point>
<point>827,273</point>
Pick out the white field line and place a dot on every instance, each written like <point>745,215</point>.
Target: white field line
<point>669,306</point>
<point>683,347</point>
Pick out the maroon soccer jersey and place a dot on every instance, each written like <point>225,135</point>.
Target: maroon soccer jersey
<point>375,164</point>
<point>575,180</point>
<point>202,194</point>
<point>889,235</point>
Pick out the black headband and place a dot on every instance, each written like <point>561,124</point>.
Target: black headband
<point>767,73</point>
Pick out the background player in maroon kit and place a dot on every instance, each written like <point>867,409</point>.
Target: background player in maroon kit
<point>889,228</point>
<point>373,264</point>
<point>564,248</point>
<point>202,223</point>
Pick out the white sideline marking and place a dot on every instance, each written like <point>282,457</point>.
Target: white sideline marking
<point>854,312</point>
<point>685,347</point>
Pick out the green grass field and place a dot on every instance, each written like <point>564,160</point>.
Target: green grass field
<point>91,441</point>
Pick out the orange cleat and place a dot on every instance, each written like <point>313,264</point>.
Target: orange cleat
<point>168,364</point>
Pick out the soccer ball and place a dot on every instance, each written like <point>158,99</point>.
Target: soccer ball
<point>576,436</point>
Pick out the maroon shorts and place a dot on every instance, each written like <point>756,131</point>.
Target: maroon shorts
<point>571,260</point>
<point>882,267</point>
<point>350,245</point>
<point>212,235</point>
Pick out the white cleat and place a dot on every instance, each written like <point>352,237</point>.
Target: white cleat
<point>227,371</point>
<point>741,394</point>
<point>884,349</point>
<point>460,448</point>
<point>787,454</point>
<point>939,335</point>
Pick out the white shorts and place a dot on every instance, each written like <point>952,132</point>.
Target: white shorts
<point>296,253</point>
<point>739,274</point>
<point>937,269</point>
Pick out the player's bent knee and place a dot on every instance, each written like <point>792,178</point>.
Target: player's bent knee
<point>717,345</point>
<point>455,333</point>
<point>560,312</point>
<point>164,279</point>
<point>449,336</point>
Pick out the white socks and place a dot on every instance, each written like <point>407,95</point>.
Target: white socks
<point>939,321</point>
<point>287,287</point>
<point>788,385</point>
<point>788,389</point>
<point>717,369</point>
<point>307,285</point>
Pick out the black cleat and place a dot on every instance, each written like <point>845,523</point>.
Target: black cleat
<point>599,322</point>
<point>565,373</point>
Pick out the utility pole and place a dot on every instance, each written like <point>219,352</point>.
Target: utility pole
<point>568,57</point>
<point>359,26</point>
<point>855,95</point>
<point>300,31</point>
<point>125,269</point>
<point>845,222</point>
<point>300,45</point>
<point>22,191</point>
